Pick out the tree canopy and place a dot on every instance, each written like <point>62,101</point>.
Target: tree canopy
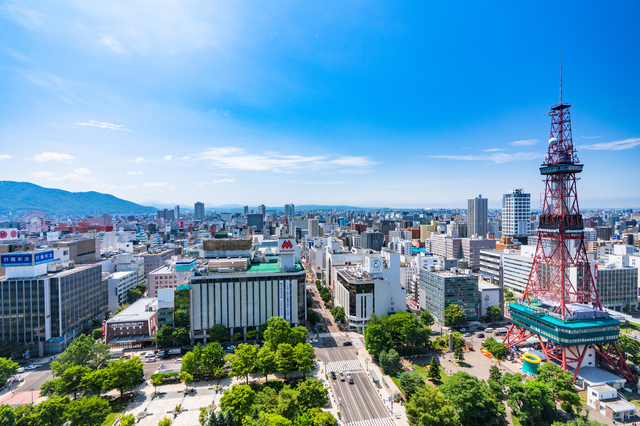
<point>428,407</point>
<point>82,352</point>
<point>454,315</point>
<point>472,400</point>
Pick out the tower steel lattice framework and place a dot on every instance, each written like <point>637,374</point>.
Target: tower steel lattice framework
<point>561,247</point>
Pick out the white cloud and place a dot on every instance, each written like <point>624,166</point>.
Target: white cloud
<point>130,172</point>
<point>43,174</point>
<point>613,146</point>
<point>526,142</point>
<point>168,157</point>
<point>320,183</point>
<point>82,171</point>
<point>223,180</point>
<point>51,156</point>
<point>111,43</point>
<point>78,175</point>
<point>493,150</point>
<point>102,125</point>
<point>5,157</point>
<point>237,158</point>
<point>140,160</point>
<point>28,18</point>
<point>493,158</point>
<point>592,137</point>
<point>153,184</point>
<point>186,157</point>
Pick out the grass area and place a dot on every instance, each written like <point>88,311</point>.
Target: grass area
<point>634,402</point>
<point>117,407</point>
<point>629,328</point>
<point>583,398</point>
<point>515,420</point>
<point>419,368</point>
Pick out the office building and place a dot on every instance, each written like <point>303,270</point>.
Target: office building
<point>243,292</point>
<point>289,210</point>
<point>198,211</point>
<point>372,240</point>
<point>155,258</point>
<point>262,210</point>
<point>165,307</point>
<point>45,299</point>
<point>516,213</point>
<point>604,232</point>
<point>134,326</point>
<point>176,212</point>
<point>438,289</point>
<point>119,283</point>
<point>254,220</point>
<point>245,210</point>
<point>166,215</point>
<point>477,219</point>
<point>471,248</point>
<point>617,286</point>
<point>313,228</point>
<point>80,250</point>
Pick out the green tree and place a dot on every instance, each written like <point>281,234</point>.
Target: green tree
<point>454,315</point>
<point>376,339</point>
<point>325,294</point>
<point>243,360</point>
<point>51,412</point>
<point>266,400</point>
<point>561,384</point>
<point>82,352</point>
<point>494,314</point>
<point>123,375</point>
<point>426,318</point>
<point>94,382</point>
<point>305,358</point>
<point>7,415</point>
<point>119,309</point>
<point>96,334</point>
<point>312,394</point>
<point>278,331</point>
<point>630,348</point>
<point>494,373</point>
<point>338,314</point>
<point>133,295</point>
<point>88,411</point>
<point>266,362</point>
<point>181,336</point>
<point>322,418</point>
<point>410,381</point>
<point>127,420</point>
<point>473,401</point>
<point>428,407</point>
<point>285,362</point>
<point>434,370</point>
<point>7,369</point>
<point>313,317</point>
<point>213,360</point>
<point>204,414</point>
<point>498,350</point>
<point>186,378</point>
<point>531,400</point>
<point>191,362</point>
<point>165,421</point>
<point>251,335</point>
<point>71,380</point>
<point>156,380</point>
<point>50,387</point>
<point>239,400</point>
<point>458,353</point>
<point>288,405</point>
<point>164,337</point>
<point>219,333</point>
<point>626,308</point>
<point>298,335</point>
<point>390,362</point>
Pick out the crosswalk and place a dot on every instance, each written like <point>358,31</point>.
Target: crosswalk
<point>329,335</point>
<point>344,366</point>
<point>383,421</point>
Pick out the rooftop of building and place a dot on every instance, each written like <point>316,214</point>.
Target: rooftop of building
<point>165,269</point>
<point>585,322</point>
<point>450,273</point>
<point>140,310</point>
<point>120,274</point>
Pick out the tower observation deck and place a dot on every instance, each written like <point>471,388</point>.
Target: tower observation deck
<point>560,305</point>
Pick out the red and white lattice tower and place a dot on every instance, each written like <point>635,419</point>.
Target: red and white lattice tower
<point>560,305</point>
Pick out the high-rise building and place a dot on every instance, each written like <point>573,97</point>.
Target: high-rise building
<point>477,216</point>
<point>372,240</point>
<point>439,289</point>
<point>262,210</point>
<point>176,212</point>
<point>516,213</point>
<point>167,215</point>
<point>254,219</point>
<point>246,210</point>
<point>198,210</point>
<point>313,227</point>
<point>289,210</point>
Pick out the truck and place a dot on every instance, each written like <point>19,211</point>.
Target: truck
<point>117,353</point>
<point>176,351</point>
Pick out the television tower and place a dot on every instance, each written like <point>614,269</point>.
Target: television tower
<point>560,305</point>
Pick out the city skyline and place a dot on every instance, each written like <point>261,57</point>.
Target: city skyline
<point>366,105</point>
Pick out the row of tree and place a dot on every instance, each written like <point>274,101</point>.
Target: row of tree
<point>55,411</point>
<point>274,404</point>
<point>403,329</point>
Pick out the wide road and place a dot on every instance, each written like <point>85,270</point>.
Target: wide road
<point>359,403</point>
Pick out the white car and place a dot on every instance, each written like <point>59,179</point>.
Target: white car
<point>179,361</point>
<point>21,370</point>
<point>232,347</point>
<point>314,341</point>
<point>467,334</point>
<point>31,367</point>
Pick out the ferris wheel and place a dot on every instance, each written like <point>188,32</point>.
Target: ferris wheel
<point>35,221</point>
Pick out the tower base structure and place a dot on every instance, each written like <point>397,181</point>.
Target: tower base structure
<point>572,341</point>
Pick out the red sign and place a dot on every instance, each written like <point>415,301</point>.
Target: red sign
<point>286,246</point>
<point>596,271</point>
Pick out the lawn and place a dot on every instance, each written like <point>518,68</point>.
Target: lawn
<point>421,371</point>
<point>117,407</point>
<point>630,327</point>
<point>583,398</point>
<point>515,420</point>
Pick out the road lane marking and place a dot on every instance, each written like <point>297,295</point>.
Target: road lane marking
<point>383,421</point>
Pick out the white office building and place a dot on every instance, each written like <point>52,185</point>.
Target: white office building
<point>516,213</point>
<point>118,285</point>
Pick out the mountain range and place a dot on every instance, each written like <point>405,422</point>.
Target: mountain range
<point>17,197</point>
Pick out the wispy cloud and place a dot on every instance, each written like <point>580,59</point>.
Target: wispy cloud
<point>223,180</point>
<point>109,126</point>
<point>78,175</point>
<point>140,160</point>
<point>613,146</point>
<point>51,156</point>
<point>591,137</point>
<point>525,142</point>
<point>111,43</point>
<point>337,182</point>
<point>5,157</point>
<point>28,18</point>
<point>153,184</point>
<point>494,150</point>
<point>237,158</point>
<point>493,158</point>
<point>131,172</point>
<point>168,157</point>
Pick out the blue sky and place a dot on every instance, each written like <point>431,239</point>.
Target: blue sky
<point>421,104</point>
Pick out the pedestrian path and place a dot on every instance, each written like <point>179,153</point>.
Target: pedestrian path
<point>329,335</point>
<point>344,366</point>
<point>383,421</point>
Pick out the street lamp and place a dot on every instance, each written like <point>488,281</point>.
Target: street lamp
<point>366,362</point>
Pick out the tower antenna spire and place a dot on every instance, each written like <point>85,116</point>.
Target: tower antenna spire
<point>560,77</point>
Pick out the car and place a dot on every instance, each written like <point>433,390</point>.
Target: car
<point>150,360</point>
<point>463,329</point>
<point>142,353</point>
<point>21,370</point>
<point>149,355</point>
<point>467,334</point>
<point>488,330</point>
<point>342,376</point>
<point>333,375</point>
<point>347,344</point>
<point>232,347</point>
<point>350,378</point>
<point>480,336</point>
<point>179,361</point>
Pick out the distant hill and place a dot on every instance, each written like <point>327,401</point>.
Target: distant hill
<point>19,196</point>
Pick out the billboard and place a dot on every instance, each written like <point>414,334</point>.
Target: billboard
<point>16,259</point>
<point>288,301</point>
<point>551,223</point>
<point>281,312</point>
<point>286,246</point>
<point>43,257</point>
<point>7,234</point>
